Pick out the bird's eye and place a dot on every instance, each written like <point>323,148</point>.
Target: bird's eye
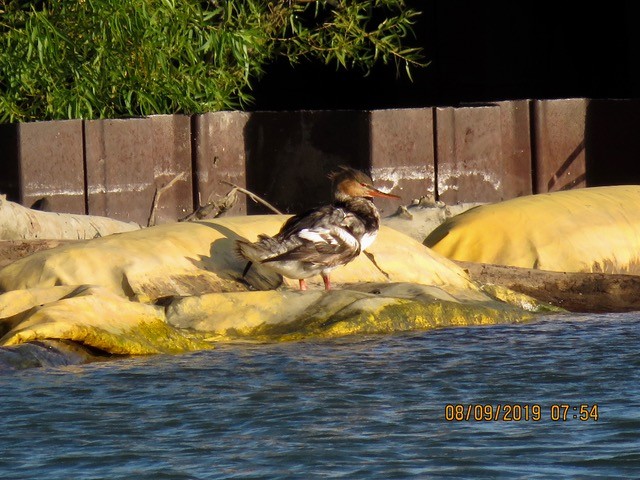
<point>364,185</point>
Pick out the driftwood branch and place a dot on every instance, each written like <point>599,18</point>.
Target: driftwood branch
<point>576,292</point>
<point>158,194</point>
<point>254,197</point>
<point>225,204</point>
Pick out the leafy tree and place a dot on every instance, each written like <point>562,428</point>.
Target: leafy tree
<point>118,58</point>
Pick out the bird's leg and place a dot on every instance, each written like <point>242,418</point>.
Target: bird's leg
<point>246,269</point>
<point>303,284</point>
<point>327,282</point>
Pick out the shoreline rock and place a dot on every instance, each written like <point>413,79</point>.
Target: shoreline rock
<point>575,292</point>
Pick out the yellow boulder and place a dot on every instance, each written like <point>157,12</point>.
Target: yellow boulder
<point>179,287</point>
<point>585,230</point>
<point>358,309</point>
<point>97,318</point>
<point>196,257</point>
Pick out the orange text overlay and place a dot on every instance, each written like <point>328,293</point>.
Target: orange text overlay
<point>520,412</point>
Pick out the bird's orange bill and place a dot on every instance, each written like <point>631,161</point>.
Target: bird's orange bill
<point>377,193</point>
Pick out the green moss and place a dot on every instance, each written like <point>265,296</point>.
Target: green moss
<point>395,315</point>
<point>149,337</point>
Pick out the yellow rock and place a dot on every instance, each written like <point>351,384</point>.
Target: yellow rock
<point>362,309</point>
<point>97,318</point>
<point>18,301</point>
<point>196,257</point>
<point>584,230</point>
<point>106,293</point>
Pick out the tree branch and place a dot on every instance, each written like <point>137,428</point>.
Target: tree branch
<point>253,197</point>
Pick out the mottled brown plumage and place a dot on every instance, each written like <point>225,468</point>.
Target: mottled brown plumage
<point>319,240</point>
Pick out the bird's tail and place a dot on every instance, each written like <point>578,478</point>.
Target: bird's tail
<point>254,252</point>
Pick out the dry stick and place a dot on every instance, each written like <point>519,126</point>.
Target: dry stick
<point>203,211</point>
<point>158,194</point>
<point>254,197</point>
<point>226,203</point>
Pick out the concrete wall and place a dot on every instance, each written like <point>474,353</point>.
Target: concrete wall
<point>476,153</point>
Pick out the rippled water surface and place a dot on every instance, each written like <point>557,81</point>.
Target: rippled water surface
<point>358,407</point>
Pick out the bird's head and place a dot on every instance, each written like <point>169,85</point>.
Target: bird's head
<point>349,183</point>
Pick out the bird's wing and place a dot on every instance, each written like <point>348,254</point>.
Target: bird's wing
<point>326,236</point>
<point>310,219</point>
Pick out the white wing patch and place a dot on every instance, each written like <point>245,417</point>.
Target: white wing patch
<point>367,240</point>
<point>319,235</point>
<point>335,237</point>
<point>347,238</point>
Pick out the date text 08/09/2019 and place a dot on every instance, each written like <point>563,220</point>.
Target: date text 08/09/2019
<point>520,412</point>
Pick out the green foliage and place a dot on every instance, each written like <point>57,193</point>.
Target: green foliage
<point>118,58</point>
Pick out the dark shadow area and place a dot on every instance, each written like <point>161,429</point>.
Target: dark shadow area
<point>49,353</point>
<point>481,52</point>
<point>230,267</point>
<point>612,139</point>
<point>564,167</point>
<point>217,259</point>
<point>10,162</point>
<point>289,155</point>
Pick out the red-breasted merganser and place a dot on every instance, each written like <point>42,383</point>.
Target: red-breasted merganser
<point>319,240</point>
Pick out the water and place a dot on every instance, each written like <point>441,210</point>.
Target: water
<point>357,407</point>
